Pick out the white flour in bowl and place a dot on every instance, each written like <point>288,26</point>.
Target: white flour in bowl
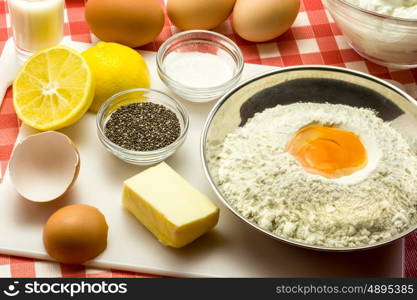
<point>269,187</point>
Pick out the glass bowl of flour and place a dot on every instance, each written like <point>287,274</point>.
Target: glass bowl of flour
<point>245,154</point>
<point>199,65</point>
<point>382,31</point>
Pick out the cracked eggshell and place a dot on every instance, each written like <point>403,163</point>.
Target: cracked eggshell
<point>44,166</point>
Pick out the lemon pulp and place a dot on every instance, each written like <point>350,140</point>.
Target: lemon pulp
<point>53,89</point>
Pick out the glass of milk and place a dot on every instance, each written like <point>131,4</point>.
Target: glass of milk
<point>36,24</point>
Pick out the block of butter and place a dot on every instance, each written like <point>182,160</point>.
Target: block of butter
<point>168,206</point>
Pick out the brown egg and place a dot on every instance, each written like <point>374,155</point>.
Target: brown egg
<point>75,234</point>
<point>263,20</point>
<point>130,22</point>
<point>199,14</point>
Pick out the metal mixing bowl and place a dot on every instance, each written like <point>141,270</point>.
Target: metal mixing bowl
<point>320,84</point>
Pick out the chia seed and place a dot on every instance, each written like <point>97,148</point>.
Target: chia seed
<point>143,126</point>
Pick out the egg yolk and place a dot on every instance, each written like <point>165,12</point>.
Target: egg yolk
<point>328,151</point>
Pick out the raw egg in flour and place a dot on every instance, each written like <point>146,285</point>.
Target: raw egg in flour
<point>328,151</point>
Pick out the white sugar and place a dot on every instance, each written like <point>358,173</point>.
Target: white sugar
<point>199,70</point>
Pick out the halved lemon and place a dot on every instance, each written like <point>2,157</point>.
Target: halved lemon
<point>53,89</point>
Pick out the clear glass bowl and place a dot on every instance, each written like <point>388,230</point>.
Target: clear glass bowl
<point>204,42</point>
<point>134,96</point>
<point>385,40</point>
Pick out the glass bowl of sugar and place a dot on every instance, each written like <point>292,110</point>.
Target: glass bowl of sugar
<point>199,65</point>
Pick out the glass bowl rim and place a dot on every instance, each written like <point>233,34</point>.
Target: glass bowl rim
<point>164,47</point>
<point>375,14</point>
<point>179,108</point>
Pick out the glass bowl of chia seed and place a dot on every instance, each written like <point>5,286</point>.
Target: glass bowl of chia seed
<point>142,126</point>
<point>199,65</point>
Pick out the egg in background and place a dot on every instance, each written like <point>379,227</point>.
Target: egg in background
<point>133,23</point>
<point>264,20</point>
<point>199,14</point>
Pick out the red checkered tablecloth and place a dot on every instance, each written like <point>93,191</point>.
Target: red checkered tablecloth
<point>313,39</point>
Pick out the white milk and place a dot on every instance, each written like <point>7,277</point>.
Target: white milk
<point>37,24</point>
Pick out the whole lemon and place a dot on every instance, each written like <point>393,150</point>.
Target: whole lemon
<point>115,68</point>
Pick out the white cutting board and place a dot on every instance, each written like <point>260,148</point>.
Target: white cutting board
<point>232,249</point>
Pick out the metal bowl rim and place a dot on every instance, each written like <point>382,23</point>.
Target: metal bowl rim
<point>223,99</point>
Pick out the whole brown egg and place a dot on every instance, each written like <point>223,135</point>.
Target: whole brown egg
<point>199,14</point>
<point>75,234</point>
<point>263,20</point>
<point>130,22</point>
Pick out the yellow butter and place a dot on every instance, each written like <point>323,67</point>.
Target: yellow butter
<point>168,206</point>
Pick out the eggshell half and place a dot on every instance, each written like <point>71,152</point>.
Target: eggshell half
<point>44,166</point>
